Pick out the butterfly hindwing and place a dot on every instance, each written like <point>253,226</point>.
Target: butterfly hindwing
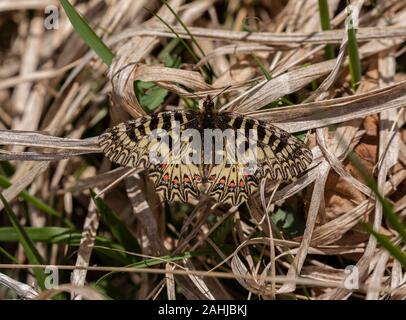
<point>176,181</point>
<point>228,183</point>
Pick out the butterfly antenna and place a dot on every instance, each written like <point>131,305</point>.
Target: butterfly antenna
<point>214,97</point>
<point>222,91</point>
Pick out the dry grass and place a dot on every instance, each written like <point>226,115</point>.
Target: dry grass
<point>60,96</point>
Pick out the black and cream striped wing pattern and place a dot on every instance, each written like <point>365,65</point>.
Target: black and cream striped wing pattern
<point>279,156</point>
<point>130,144</point>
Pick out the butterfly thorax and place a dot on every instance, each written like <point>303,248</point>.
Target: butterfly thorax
<point>209,114</point>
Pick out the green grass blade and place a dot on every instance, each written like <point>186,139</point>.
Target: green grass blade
<point>5,183</point>
<point>64,236</point>
<point>38,203</point>
<point>118,229</point>
<point>149,263</point>
<point>30,250</point>
<point>386,205</point>
<point>184,27</point>
<point>353,54</point>
<point>385,242</point>
<point>264,70</point>
<point>173,43</point>
<point>50,235</point>
<point>325,25</point>
<point>184,43</point>
<point>387,209</point>
<point>6,168</point>
<point>209,70</point>
<point>149,95</point>
<point>153,98</point>
<point>42,234</point>
<point>8,255</point>
<point>87,33</point>
<point>187,47</point>
<point>396,224</point>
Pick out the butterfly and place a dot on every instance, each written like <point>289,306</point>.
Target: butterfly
<point>187,153</point>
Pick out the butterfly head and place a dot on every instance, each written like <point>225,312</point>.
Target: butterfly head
<point>208,105</point>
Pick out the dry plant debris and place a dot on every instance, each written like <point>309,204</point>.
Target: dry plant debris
<point>57,96</point>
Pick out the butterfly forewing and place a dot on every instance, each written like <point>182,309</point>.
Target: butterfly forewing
<point>129,143</point>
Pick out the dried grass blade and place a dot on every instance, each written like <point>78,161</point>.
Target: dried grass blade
<point>285,84</point>
<point>323,113</point>
<point>317,198</point>
<point>280,39</point>
<point>34,139</point>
